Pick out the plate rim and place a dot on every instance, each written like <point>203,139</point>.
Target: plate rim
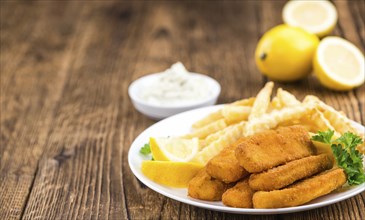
<point>191,201</point>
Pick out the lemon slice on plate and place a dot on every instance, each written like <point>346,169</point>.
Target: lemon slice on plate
<point>338,64</point>
<point>174,149</point>
<point>317,17</point>
<point>174,174</point>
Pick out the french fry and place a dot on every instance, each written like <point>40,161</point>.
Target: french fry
<point>275,104</point>
<point>262,101</point>
<point>244,102</point>
<point>286,98</point>
<point>311,98</point>
<point>322,122</point>
<point>319,122</point>
<point>235,113</point>
<point>208,119</point>
<point>218,114</point>
<point>208,129</point>
<point>215,136</point>
<point>338,120</point>
<point>216,146</point>
<point>343,124</point>
<point>274,118</point>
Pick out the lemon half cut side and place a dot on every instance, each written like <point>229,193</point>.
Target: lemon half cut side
<point>174,149</point>
<point>318,17</point>
<point>338,64</point>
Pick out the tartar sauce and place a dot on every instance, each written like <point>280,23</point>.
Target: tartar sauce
<point>176,87</point>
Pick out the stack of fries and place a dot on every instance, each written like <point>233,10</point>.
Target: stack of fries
<point>249,116</point>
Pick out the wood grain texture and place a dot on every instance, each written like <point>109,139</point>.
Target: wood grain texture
<point>66,119</point>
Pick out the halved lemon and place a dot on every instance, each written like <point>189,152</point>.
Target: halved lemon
<point>317,17</point>
<point>174,149</point>
<point>338,64</point>
<point>174,174</point>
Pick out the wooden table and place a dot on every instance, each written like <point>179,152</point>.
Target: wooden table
<point>66,119</point>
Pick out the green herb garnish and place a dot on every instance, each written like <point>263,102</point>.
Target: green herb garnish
<point>324,136</point>
<point>145,150</point>
<point>346,154</point>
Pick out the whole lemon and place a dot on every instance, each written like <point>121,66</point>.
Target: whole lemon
<point>285,53</point>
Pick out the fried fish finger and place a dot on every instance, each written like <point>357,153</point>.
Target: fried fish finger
<point>301,192</point>
<point>225,166</point>
<point>239,196</point>
<point>271,148</point>
<point>205,187</point>
<point>284,175</point>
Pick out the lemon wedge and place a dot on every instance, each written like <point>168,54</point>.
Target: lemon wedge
<point>174,149</point>
<point>338,64</point>
<point>317,17</point>
<point>173,174</point>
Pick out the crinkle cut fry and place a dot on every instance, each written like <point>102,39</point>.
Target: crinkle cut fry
<point>212,117</point>
<point>338,120</point>
<point>286,98</point>
<point>274,118</point>
<point>262,101</point>
<point>226,139</point>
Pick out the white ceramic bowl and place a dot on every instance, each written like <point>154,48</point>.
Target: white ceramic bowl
<point>159,112</point>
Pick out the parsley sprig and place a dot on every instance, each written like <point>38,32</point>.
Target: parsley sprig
<point>146,150</point>
<point>346,154</point>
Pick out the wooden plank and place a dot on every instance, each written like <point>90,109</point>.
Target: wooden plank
<point>13,193</point>
<point>84,150</point>
<point>33,72</point>
<point>14,46</point>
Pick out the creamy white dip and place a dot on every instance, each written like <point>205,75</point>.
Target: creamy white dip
<point>176,87</point>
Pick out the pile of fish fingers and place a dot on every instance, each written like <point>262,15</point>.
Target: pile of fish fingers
<point>271,169</point>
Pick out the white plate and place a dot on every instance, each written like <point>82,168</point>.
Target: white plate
<point>181,124</point>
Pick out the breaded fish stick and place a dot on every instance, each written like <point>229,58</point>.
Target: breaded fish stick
<point>271,148</point>
<point>205,187</point>
<point>239,196</point>
<point>301,192</point>
<point>284,175</point>
<point>225,166</point>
